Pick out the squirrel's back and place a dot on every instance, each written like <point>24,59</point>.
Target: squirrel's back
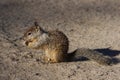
<point>59,40</point>
<point>57,46</point>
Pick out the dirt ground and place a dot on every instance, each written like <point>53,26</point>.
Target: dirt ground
<point>93,24</point>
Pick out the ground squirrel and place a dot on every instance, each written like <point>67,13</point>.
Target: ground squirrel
<point>55,45</point>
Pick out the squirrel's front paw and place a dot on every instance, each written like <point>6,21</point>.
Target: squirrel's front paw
<point>45,59</point>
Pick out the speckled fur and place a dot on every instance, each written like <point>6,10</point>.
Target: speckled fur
<point>55,46</point>
<point>53,43</point>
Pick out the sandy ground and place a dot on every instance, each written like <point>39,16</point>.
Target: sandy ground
<point>93,24</point>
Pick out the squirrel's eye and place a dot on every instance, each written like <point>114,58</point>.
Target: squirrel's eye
<point>29,33</point>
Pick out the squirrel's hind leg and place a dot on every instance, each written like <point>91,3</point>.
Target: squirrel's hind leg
<point>46,60</point>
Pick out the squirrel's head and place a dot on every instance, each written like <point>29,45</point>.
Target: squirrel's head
<point>32,34</point>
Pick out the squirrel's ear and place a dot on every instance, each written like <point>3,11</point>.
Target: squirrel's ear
<point>36,23</point>
<point>38,28</point>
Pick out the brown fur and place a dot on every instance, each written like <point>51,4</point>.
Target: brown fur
<point>55,45</point>
<point>55,50</point>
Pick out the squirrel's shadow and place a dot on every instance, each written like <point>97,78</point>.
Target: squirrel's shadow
<point>106,52</point>
<point>111,53</point>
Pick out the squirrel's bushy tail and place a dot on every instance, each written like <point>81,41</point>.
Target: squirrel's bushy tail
<point>90,54</point>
